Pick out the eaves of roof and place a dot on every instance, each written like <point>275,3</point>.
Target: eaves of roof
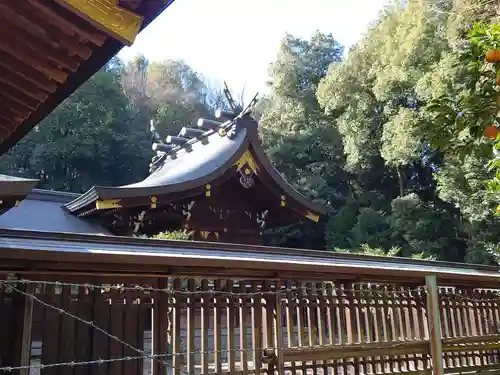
<point>41,58</point>
<point>196,163</point>
<point>160,256</point>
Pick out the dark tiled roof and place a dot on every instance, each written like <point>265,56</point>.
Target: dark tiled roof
<point>194,162</point>
<point>43,210</point>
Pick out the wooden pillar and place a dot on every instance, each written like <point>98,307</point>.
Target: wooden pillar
<point>434,323</point>
<point>26,333</point>
<point>21,315</point>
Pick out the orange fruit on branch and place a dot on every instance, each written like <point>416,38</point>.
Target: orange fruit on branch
<point>492,56</point>
<point>491,132</point>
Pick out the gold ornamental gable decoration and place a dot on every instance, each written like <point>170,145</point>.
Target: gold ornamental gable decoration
<point>114,20</point>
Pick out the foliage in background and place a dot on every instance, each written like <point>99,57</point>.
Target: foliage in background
<point>460,118</point>
<point>359,133</point>
<point>173,235</point>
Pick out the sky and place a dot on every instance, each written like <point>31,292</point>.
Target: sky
<point>236,40</point>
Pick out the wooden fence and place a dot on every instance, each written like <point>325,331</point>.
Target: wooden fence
<point>193,326</point>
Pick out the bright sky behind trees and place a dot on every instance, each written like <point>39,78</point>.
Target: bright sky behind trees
<point>235,40</point>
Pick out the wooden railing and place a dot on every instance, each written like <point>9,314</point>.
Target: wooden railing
<point>193,326</point>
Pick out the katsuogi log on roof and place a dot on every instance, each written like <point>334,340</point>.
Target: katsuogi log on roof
<point>214,179</point>
<point>48,48</point>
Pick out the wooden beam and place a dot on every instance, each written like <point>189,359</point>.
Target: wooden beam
<point>63,22</point>
<point>45,50</point>
<point>8,117</point>
<point>8,114</point>
<point>20,14</point>
<point>23,85</point>
<point>331,352</point>
<point>15,107</point>
<point>16,95</point>
<point>27,72</point>
<point>434,322</point>
<point>25,54</point>
<point>5,129</point>
<point>106,15</point>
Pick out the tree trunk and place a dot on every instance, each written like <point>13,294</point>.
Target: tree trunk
<point>401,182</point>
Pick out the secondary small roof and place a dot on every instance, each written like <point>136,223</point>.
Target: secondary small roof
<point>48,48</point>
<point>13,190</point>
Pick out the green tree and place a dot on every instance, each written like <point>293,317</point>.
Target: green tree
<point>298,136</point>
<point>91,128</point>
<point>379,97</point>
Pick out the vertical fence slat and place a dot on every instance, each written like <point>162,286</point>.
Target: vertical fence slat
<point>243,319</point>
<point>176,329</point>
<point>231,307</point>
<point>101,341</point>
<point>51,327</point>
<point>130,330</point>
<point>26,322</point>
<point>311,306</point>
<point>256,328</point>
<point>116,311</point>
<point>365,324</point>
<point>5,311</point>
<point>422,324</point>
<point>191,326</point>
<point>279,327</point>
<point>205,326</point>
<point>142,312</point>
<point>291,311</point>
<point>83,333</point>
<point>301,318</point>
<point>67,332</point>
<point>218,310</point>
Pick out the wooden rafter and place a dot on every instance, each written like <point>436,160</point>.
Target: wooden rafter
<point>12,64</point>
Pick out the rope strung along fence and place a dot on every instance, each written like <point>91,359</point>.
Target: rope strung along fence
<point>216,326</point>
<point>94,326</point>
<point>172,292</point>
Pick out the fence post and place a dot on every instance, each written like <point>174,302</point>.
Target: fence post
<point>279,330</point>
<point>17,332</point>
<point>434,322</point>
<point>26,332</point>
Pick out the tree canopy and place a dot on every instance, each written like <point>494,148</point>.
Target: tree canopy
<point>398,137</point>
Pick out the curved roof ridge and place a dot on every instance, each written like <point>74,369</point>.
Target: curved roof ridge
<point>205,160</point>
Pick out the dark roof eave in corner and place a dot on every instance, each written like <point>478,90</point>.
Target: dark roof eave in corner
<point>14,189</point>
<point>148,9</point>
<point>15,186</point>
